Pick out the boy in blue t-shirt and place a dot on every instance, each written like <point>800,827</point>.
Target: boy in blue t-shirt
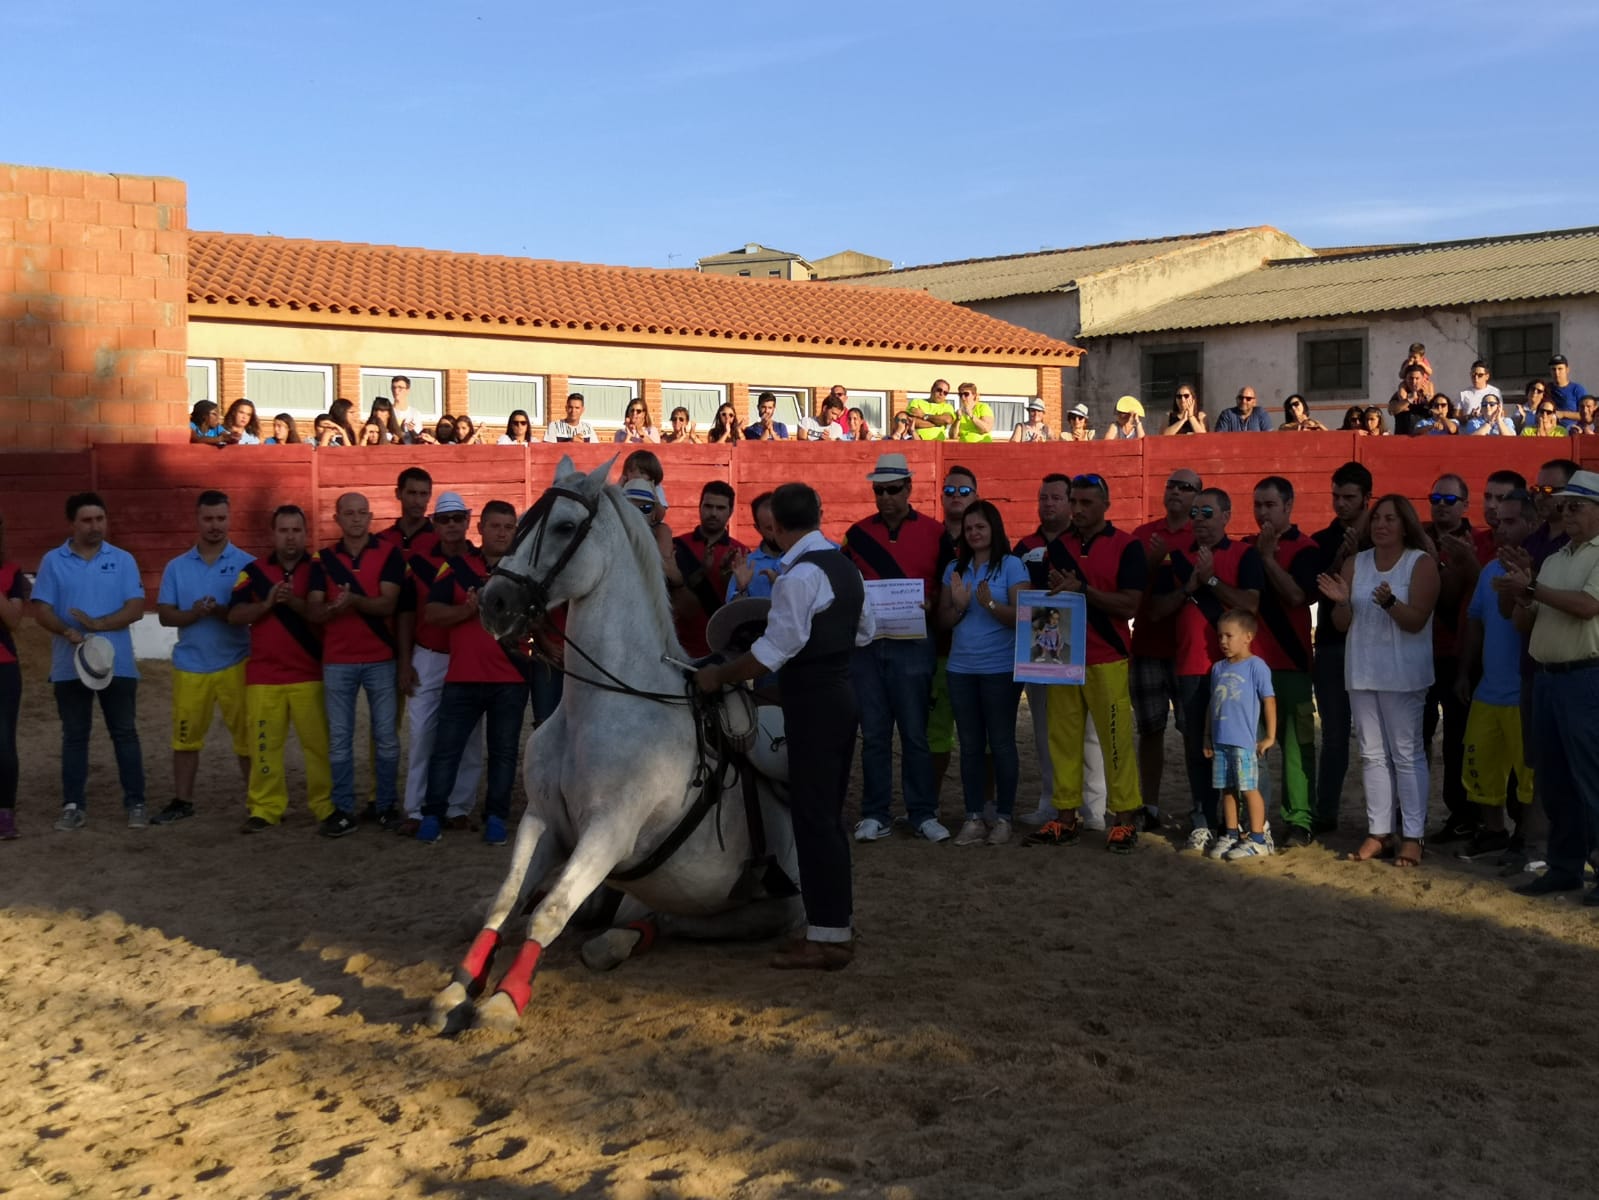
<point>1241,700</point>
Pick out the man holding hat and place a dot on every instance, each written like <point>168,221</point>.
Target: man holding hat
<point>424,656</point>
<point>1244,417</point>
<point>87,594</point>
<point>893,677</point>
<point>1561,610</point>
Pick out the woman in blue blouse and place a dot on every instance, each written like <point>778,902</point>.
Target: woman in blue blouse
<point>205,425</point>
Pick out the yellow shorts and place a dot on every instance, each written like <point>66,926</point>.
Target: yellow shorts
<point>196,697</point>
<point>1493,751</point>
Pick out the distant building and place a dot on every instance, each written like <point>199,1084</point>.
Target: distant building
<point>756,261</point>
<point>848,262</point>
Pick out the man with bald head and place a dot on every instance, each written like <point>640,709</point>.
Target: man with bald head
<point>362,578</point>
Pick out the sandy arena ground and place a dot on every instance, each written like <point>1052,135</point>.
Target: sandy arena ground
<point>186,1011</point>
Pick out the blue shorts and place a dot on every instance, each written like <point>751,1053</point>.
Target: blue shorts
<point>1235,769</point>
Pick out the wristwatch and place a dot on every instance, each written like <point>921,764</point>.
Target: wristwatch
<point>1389,601</point>
<point>991,605</point>
<point>1212,581</point>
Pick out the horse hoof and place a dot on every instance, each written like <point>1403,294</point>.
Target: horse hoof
<point>609,950</point>
<point>450,1012</point>
<point>498,1013</point>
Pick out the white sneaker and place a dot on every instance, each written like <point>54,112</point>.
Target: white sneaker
<point>973,833</point>
<point>870,829</point>
<point>1000,834</point>
<point>1248,848</point>
<point>1201,839</point>
<point>932,830</point>
<point>1221,844</point>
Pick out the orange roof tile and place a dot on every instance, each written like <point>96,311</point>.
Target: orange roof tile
<point>473,289</point>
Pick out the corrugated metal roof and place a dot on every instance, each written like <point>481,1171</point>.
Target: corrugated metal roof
<point>1530,266</point>
<point>1025,274</point>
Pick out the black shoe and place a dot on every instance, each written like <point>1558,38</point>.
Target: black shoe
<point>1151,821</point>
<point>1548,884</point>
<point>177,810</point>
<point>337,825</point>
<point>1484,842</point>
<point>255,825</point>
<point>1320,827</point>
<point>1454,830</point>
<point>1297,838</point>
<point>390,820</point>
<point>369,815</point>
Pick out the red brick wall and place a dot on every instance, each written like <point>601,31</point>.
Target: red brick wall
<point>93,308</point>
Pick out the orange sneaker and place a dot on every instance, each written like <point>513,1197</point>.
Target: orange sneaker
<point>1055,833</point>
<point>1120,839</point>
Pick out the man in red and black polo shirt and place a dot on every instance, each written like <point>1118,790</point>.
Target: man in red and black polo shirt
<point>1291,560</point>
<point>362,578</point>
<point>484,683</point>
<point>1219,574</point>
<point>1107,567</point>
<point>283,675</point>
<point>893,677</point>
<point>1458,567</point>
<point>704,557</point>
<point>1152,672</point>
<point>413,533</point>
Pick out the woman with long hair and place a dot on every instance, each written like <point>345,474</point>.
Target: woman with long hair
<point>1187,414</point>
<point>373,433</point>
<point>343,413</point>
<point>1354,420</point>
<point>1297,418</point>
<point>1374,423</point>
<point>466,431</point>
<point>682,431</point>
<point>725,426</point>
<point>1440,419</point>
<point>241,423</point>
<point>1384,599</point>
<point>518,429</point>
<point>284,431</point>
<point>859,430</point>
<point>901,430</point>
<point>442,434</point>
<point>978,606</point>
<point>325,431</point>
<point>383,413</point>
<point>636,425</point>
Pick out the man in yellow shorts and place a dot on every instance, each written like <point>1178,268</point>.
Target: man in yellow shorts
<point>208,661</point>
<point>283,681</point>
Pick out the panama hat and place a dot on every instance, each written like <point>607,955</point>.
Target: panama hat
<point>94,659</point>
<point>1583,485</point>
<point>450,502</point>
<point>890,468</point>
<point>736,625</point>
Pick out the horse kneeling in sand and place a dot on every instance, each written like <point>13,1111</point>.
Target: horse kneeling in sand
<point>622,779</point>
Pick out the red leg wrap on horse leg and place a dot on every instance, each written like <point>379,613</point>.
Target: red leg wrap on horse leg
<point>518,980</point>
<point>646,934</point>
<point>474,969</point>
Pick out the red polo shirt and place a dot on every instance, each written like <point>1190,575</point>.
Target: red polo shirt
<point>1109,561</point>
<point>1237,565</point>
<point>475,656</point>
<point>421,568</point>
<point>353,637</point>
<point>909,552</point>
<point>1283,639</point>
<point>1152,638</point>
<point>13,586</point>
<point>284,646</point>
<point>696,556</point>
<point>424,541</point>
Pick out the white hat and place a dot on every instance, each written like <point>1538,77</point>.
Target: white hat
<point>450,502</point>
<point>890,468</point>
<point>660,494</point>
<point>1583,485</point>
<point>94,659</point>
<point>641,490</point>
<point>1078,410</point>
<point>1035,405</point>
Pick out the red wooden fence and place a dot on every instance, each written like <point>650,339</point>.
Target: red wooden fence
<point>151,489</point>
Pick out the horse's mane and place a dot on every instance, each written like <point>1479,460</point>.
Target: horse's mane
<point>647,557</point>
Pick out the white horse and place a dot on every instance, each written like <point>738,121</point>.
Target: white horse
<point>611,776</point>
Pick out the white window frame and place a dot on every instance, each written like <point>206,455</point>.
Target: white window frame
<point>210,365</point>
<point>998,434</point>
<point>635,388</point>
<point>541,387</point>
<point>883,398</point>
<point>666,407</point>
<point>326,371</point>
<point>388,373</point>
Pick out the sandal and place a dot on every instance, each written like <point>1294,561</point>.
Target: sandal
<point>1370,849</point>
<point>1410,851</point>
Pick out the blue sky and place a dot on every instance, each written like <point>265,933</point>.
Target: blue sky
<point>652,134</point>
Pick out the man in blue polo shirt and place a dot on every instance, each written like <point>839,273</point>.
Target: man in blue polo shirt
<point>208,661</point>
<point>84,586</point>
<point>1244,417</point>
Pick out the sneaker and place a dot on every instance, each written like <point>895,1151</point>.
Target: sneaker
<point>176,810</point>
<point>8,824</point>
<point>337,825</point>
<point>428,832</point>
<point>973,833</point>
<point>137,817</point>
<point>1483,843</point>
<point>390,820</point>
<point>932,830</point>
<point>255,825</point>
<point>369,814</point>
<point>870,829</point>
<point>1151,820</point>
<point>1247,848</point>
<point>1221,844</point>
<point>494,831</point>
<point>1054,833</point>
<point>1122,839</point>
<point>1042,815</point>
<point>1454,830</point>
<point>72,817</point>
<point>1201,839</point>
<point>1299,837</point>
<point>1000,833</point>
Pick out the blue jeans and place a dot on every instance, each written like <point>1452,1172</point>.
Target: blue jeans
<point>500,706</point>
<point>985,714</point>
<point>119,707</point>
<point>341,682</point>
<point>1332,706</point>
<point>1564,757</point>
<point>893,683</point>
<point>1193,692</point>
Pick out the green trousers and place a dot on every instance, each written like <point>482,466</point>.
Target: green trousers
<point>1296,734</point>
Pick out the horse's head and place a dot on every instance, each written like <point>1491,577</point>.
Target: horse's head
<point>557,554</point>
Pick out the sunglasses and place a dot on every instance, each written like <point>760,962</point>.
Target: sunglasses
<point>1546,412</point>
<point>1177,485</point>
<point>888,489</point>
<point>1202,512</point>
<point>1087,481</point>
<point>1544,489</point>
<point>1444,498</point>
<point>951,489</point>
<point>449,518</point>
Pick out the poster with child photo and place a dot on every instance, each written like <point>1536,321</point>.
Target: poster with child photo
<point>1051,637</point>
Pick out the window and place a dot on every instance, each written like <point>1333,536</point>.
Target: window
<point>1009,412</point>
<point>427,389</point>
<point>1332,366</point>
<point>1164,367</point>
<point>873,406</point>
<point>299,389</point>
<point>492,398</point>
<point>604,400</point>
<point>1517,349</point>
<point>202,380</point>
<point>792,404</point>
<point>701,399</point>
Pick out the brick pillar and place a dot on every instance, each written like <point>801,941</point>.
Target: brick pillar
<point>347,383</point>
<point>897,400</point>
<point>650,393</point>
<point>738,395</point>
<point>455,401</point>
<point>556,388</point>
<point>230,381</point>
<point>1049,391</point>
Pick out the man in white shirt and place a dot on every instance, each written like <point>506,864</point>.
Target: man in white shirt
<point>405,416</point>
<point>818,617</point>
<point>574,428</point>
<point>1471,399</point>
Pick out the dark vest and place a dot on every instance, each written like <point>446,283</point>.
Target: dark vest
<point>823,662</point>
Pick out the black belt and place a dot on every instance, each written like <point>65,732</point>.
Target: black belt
<point>1561,668</point>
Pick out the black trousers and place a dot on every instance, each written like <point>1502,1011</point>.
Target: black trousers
<point>821,723</point>
<point>1441,699</point>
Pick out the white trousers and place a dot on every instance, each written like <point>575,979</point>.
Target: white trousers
<point>421,712</point>
<point>1094,788</point>
<point>1393,760</point>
